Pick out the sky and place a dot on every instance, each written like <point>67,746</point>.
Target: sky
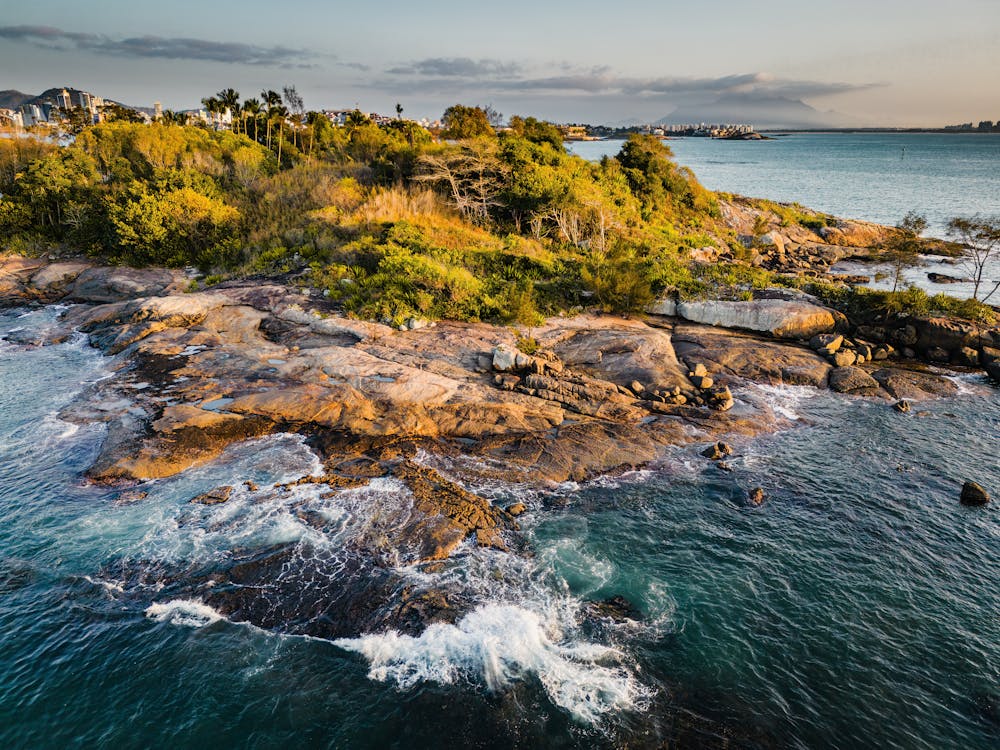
<point>857,62</point>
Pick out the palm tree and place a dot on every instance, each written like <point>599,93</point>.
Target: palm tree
<point>273,100</point>
<point>211,105</point>
<point>230,99</point>
<point>251,107</point>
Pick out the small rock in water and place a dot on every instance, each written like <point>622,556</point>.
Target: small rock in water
<point>214,497</point>
<point>250,485</point>
<point>616,608</point>
<point>130,496</point>
<point>973,494</point>
<point>517,509</point>
<point>902,406</point>
<point>757,496</point>
<point>723,466</point>
<point>717,451</point>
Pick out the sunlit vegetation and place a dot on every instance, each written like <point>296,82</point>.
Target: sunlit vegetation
<point>476,222</point>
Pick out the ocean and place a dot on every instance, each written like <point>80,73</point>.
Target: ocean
<point>857,607</point>
<point>876,177</point>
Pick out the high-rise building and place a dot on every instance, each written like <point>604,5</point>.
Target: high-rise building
<point>86,101</point>
<point>157,110</point>
<point>63,100</point>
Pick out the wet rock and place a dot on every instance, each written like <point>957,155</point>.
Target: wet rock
<point>902,406</point>
<point>756,496</point>
<point>913,385</point>
<point>517,509</point>
<point>720,399</point>
<point>973,494</point>
<point>214,497</point>
<point>717,451</point>
<point>128,497</point>
<point>853,380</point>
<point>616,608</point>
<point>943,278</point>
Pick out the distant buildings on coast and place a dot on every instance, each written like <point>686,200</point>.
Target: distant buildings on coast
<point>986,126</point>
<point>54,107</point>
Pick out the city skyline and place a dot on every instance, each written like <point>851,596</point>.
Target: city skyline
<point>898,64</point>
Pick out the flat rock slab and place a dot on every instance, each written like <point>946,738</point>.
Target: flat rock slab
<point>783,319</point>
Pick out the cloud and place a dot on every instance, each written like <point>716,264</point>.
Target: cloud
<point>446,75</point>
<point>457,66</point>
<point>169,48</point>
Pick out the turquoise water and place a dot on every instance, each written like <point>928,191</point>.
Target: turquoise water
<point>858,607</point>
<point>876,177</point>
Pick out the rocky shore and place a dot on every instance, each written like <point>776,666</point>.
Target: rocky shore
<point>197,372</point>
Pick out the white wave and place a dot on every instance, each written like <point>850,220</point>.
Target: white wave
<point>785,400</point>
<point>498,644</point>
<point>188,612</point>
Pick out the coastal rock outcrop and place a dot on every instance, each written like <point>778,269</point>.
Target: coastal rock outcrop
<point>783,319</point>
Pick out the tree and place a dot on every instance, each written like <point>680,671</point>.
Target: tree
<point>461,123</point>
<point>297,108</point>
<point>399,111</point>
<point>273,101</point>
<point>252,110</point>
<point>980,239</point>
<point>229,99</point>
<point>902,249</point>
<point>537,131</point>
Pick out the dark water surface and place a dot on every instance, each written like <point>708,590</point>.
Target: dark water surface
<point>858,607</point>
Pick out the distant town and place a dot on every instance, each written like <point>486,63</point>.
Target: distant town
<point>72,109</point>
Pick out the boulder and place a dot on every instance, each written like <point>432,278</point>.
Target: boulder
<point>913,385</point>
<point>702,382</point>
<point>826,343</point>
<point>844,358</point>
<point>504,359</point>
<point>902,406</point>
<point>967,357</point>
<point>720,399</point>
<point>780,318</point>
<point>853,380</point>
<point>756,496</point>
<point>717,451</point>
<point>947,334</point>
<point>991,361</point>
<point>973,494</point>
<point>117,284</point>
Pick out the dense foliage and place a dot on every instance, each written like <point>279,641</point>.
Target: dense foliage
<point>481,222</point>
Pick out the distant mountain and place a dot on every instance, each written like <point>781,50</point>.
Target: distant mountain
<point>11,99</point>
<point>762,112</point>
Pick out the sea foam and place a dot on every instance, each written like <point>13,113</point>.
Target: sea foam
<point>498,644</point>
<point>187,612</point>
